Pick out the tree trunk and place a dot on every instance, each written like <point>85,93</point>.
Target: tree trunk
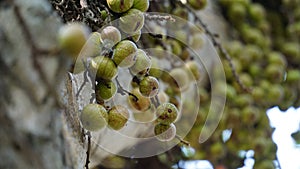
<point>33,117</point>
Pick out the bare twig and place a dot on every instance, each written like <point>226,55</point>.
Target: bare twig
<point>88,150</point>
<point>122,91</point>
<point>182,141</point>
<point>218,45</point>
<point>159,17</point>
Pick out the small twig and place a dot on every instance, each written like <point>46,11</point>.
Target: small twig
<point>122,91</point>
<point>88,150</point>
<point>278,163</point>
<point>182,141</point>
<point>218,45</point>
<point>159,17</point>
<point>155,101</point>
<point>86,75</point>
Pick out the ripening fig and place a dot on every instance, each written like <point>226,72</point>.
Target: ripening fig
<point>158,52</point>
<point>163,97</point>
<point>254,52</point>
<point>155,70</point>
<point>165,132</point>
<point>91,48</point>
<point>124,53</point>
<point>166,113</point>
<point>180,79</point>
<point>93,117</point>
<point>181,12</point>
<point>274,72</point>
<point>119,6</point>
<point>275,94</point>
<point>277,58</point>
<point>176,101</point>
<point>142,63</point>
<point>141,5</point>
<point>105,68</point>
<point>258,94</point>
<point>105,90</point>
<point>197,4</point>
<point>197,41</point>
<point>246,79</point>
<point>250,115</point>
<point>253,35</point>
<point>136,36</point>
<point>132,21</point>
<point>291,51</point>
<point>110,36</point>
<point>193,69</point>
<point>139,102</point>
<point>117,117</point>
<point>149,86</point>
<point>185,54</point>
<point>256,12</point>
<point>176,47</point>
<point>237,13</point>
<point>265,164</point>
<point>293,75</point>
<point>72,37</point>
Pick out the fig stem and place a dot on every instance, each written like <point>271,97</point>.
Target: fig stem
<point>122,91</point>
<point>184,142</point>
<point>88,150</point>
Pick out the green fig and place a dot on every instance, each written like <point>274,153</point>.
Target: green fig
<point>93,117</point>
<point>119,6</point>
<point>124,53</point>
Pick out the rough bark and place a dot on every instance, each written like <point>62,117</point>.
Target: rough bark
<point>32,122</point>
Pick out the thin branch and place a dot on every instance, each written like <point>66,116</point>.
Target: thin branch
<point>122,91</point>
<point>159,17</point>
<point>218,45</point>
<point>182,141</point>
<point>88,150</point>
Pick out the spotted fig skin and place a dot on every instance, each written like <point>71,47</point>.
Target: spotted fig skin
<point>132,21</point>
<point>141,5</point>
<point>166,113</point>
<point>105,68</point>
<point>94,117</point>
<point>149,86</point>
<point>119,6</point>
<point>110,34</point>
<point>165,132</point>
<point>118,117</point>
<point>125,53</point>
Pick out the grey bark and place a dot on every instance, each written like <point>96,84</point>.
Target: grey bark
<point>33,128</point>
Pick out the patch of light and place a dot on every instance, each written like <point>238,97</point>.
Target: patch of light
<point>194,164</point>
<point>188,151</point>
<point>226,135</point>
<point>250,153</point>
<point>249,161</point>
<point>285,123</point>
<point>242,153</point>
<point>183,1</point>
